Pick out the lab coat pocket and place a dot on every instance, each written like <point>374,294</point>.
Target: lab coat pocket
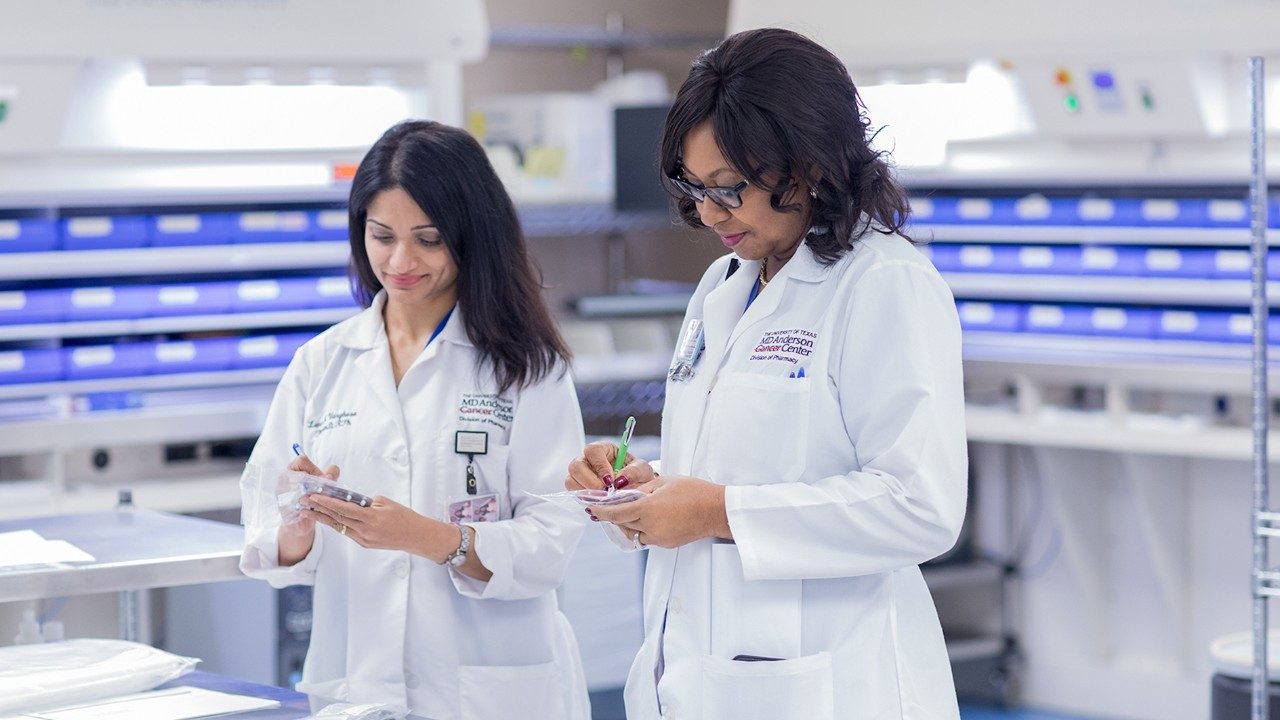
<point>751,617</point>
<point>799,689</point>
<point>510,691</point>
<point>759,425</point>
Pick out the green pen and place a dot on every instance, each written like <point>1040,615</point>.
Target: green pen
<point>621,459</point>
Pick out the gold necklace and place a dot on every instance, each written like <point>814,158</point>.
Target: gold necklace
<point>763,264</point>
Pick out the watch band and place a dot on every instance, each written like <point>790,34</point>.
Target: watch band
<point>459,556</point>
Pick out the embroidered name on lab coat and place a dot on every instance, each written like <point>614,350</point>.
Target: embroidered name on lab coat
<point>486,408</point>
<point>329,421</point>
<point>793,346</point>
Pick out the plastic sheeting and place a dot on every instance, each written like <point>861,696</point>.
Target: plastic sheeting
<point>48,675</point>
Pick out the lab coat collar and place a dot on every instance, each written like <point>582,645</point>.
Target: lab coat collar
<point>366,330</point>
<point>804,265</point>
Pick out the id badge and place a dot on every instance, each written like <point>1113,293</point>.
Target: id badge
<point>473,509</point>
<point>688,352</point>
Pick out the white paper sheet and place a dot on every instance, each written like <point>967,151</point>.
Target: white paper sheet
<point>182,703</point>
<point>27,547</point>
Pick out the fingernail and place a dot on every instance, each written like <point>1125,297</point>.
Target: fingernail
<point>622,482</point>
<point>587,511</point>
<point>595,519</point>
<point>608,479</point>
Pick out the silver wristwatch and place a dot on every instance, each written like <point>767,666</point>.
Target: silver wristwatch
<point>459,556</point>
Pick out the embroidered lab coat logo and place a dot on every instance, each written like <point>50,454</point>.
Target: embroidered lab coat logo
<point>329,421</point>
<point>792,346</point>
<point>489,409</point>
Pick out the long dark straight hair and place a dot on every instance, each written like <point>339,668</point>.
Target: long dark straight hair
<point>448,175</point>
<point>783,107</point>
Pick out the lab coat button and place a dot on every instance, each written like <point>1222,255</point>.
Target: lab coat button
<point>402,568</point>
<point>412,681</point>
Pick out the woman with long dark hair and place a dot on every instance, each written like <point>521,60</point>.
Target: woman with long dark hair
<point>813,441</point>
<point>444,401</point>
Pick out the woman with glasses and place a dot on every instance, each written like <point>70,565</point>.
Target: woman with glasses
<point>813,443</point>
<point>447,401</point>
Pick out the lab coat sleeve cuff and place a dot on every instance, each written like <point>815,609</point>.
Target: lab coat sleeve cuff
<point>736,511</point>
<point>493,547</point>
<point>261,559</point>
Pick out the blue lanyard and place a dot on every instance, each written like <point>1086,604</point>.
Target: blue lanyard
<point>440,327</point>
<point>755,292</point>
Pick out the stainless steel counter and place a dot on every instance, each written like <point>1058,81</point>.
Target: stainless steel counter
<point>133,550</point>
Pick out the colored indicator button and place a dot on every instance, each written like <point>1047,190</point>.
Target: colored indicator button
<point>1062,77</point>
<point>4,110</point>
<point>1104,80</point>
<point>1071,103</point>
<point>1148,102</point>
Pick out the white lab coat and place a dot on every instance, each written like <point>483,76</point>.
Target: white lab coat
<point>391,627</point>
<point>840,483</point>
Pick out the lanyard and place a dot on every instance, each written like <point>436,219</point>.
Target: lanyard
<point>440,327</point>
<point>755,292</point>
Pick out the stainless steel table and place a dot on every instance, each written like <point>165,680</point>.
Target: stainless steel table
<point>134,550</point>
<point>293,705</point>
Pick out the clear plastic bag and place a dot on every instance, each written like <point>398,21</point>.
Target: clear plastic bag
<point>56,674</point>
<point>591,498</point>
<point>371,711</point>
<point>270,501</point>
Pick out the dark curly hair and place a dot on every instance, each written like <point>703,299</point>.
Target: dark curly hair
<point>783,107</point>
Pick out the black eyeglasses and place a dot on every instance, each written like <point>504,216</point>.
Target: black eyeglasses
<point>728,198</point>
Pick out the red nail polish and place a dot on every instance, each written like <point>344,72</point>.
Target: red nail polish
<point>621,483</point>
<point>595,519</point>
<point>608,480</point>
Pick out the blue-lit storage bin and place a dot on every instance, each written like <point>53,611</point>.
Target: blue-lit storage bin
<point>330,225</point>
<point>1225,213</point>
<point>1164,212</point>
<point>192,229</point>
<point>1049,259</point>
<point>104,232</point>
<point>1085,320</point>
<point>267,350</point>
<point>1108,260</point>
<point>28,235</point>
<point>976,258</point>
<point>1186,263</point>
<point>922,210</point>
<point>992,317</point>
<point>207,298</point>
<point>1234,263</point>
<point>269,295</point>
<point>109,303</point>
<point>24,307</point>
<point>184,356</point>
<point>1203,325</point>
<point>1273,214</point>
<point>333,292</point>
<point>107,361</point>
<point>1109,212</point>
<point>277,226</point>
<point>1069,319</point>
<point>1040,210</point>
<point>963,211</point>
<point>30,366</point>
